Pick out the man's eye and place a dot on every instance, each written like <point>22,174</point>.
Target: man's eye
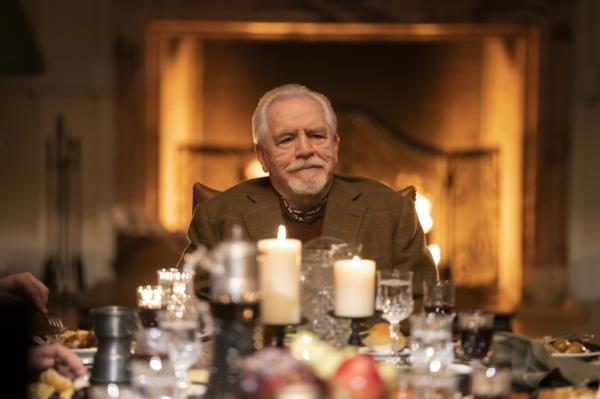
<point>284,140</point>
<point>318,135</point>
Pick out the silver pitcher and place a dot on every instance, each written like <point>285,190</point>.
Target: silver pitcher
<point>114,327</point>
<point>232,267</point>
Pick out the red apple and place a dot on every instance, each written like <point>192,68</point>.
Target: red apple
<point>357,378</point>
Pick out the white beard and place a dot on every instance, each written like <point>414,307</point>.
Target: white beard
<point>300,187</point>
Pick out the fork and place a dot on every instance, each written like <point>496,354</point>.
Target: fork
<point>58,328</point>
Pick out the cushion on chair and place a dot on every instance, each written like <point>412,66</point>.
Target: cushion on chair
<point>202,193</point>
<point>409,192</point>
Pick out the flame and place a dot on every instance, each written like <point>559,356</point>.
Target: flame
<point>281,233</point>
<point>355,261</point>
<point>436,253</point>
<point>423,207</point>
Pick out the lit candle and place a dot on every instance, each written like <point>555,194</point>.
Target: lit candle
<point>150,297</point>
<point>354,285</point>
<point>279,264</point>
<point>165,279</point>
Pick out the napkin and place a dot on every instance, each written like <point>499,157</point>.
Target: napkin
<point>534,367</point>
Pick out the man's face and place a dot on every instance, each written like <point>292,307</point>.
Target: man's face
<point>299,151</point>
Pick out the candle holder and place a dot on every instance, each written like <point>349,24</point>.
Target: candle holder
<point>279,330</point>
<point>354,338</point>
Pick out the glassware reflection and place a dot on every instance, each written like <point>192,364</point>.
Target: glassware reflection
<point>395,301</point>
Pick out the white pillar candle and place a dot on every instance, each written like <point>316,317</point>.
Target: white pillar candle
<point>279,264</point>
<point>354,285</point>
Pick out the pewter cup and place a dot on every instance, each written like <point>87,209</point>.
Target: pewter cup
<point>114,327</point>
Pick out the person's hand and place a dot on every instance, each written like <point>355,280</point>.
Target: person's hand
<point>55,355</point>
<point>27,285</point>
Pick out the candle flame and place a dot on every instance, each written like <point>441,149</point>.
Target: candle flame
<point>436,253</point>
<point>423,207</point>
<point>281,233</point>
<point>145,292</point>
<point>356,261</point>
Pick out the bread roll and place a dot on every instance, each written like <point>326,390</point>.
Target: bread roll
<point>41,390</point>
<point>378,338</point>
<point>57,380</point>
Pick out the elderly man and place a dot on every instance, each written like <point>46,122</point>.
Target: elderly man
<point>296,141</point>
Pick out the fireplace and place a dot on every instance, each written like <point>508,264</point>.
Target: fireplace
<point>443,107</point>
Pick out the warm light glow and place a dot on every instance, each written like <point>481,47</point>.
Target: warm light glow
<point>436,253</point>
<point>178,110</point>
<point>150,296</point>
<point>281,233</point>
<point>254,169</point>
<point>502,126</point>
<point>423,207</point>
<point>355,261</point>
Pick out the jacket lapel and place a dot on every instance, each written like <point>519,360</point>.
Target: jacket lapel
<point>260,219</point>
<point>343,215</point>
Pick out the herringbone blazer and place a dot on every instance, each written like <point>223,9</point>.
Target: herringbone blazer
<point>359,210</point>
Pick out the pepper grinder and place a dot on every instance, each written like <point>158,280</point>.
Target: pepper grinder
<point>234,302</point>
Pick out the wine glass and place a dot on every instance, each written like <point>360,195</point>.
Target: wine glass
<point>476,331</point>
<point>438,297</point>
<point>395,301</point>
<point>180,322</point>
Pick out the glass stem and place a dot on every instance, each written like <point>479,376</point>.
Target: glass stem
<point>181,386</point>
<point>394,330</point>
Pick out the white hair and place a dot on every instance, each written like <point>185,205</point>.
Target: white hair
<point>259,118</point>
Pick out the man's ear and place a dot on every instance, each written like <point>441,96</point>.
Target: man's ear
<point>336,142</point>
<point>261,156</point>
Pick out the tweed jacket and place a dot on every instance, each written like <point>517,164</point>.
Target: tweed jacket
<point>359,210</point>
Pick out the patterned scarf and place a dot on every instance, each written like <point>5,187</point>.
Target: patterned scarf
<point>306,217</point>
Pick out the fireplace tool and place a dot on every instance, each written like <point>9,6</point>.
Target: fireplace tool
<point>63,267</point>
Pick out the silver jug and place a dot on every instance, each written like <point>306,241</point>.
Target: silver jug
<point>114,327</point>
<point>234,271</point>
<point>232,268</point>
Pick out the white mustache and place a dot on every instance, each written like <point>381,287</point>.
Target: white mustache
<point>303,164</point>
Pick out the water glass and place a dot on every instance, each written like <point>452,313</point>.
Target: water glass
<point>152,375</point>
<point>395,301</point>
<point>490,383</point>
<point>317,293</point>
<point>431,343</point>
<point>184,345</point>
<point>476,330</point>
<point>112,391</point>
<point>438,297</point>
<point>432,354</point>
<point>165,279</point>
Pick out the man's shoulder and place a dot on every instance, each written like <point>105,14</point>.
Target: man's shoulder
<point>242,192</point>
<point>364,184</point>
<point>377,196</point>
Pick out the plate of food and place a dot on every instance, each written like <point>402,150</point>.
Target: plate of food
<point>83,343</point>
<point>86,355</point>
<point>571,348</point>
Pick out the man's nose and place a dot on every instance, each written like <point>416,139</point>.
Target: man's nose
<point>304,148</point>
